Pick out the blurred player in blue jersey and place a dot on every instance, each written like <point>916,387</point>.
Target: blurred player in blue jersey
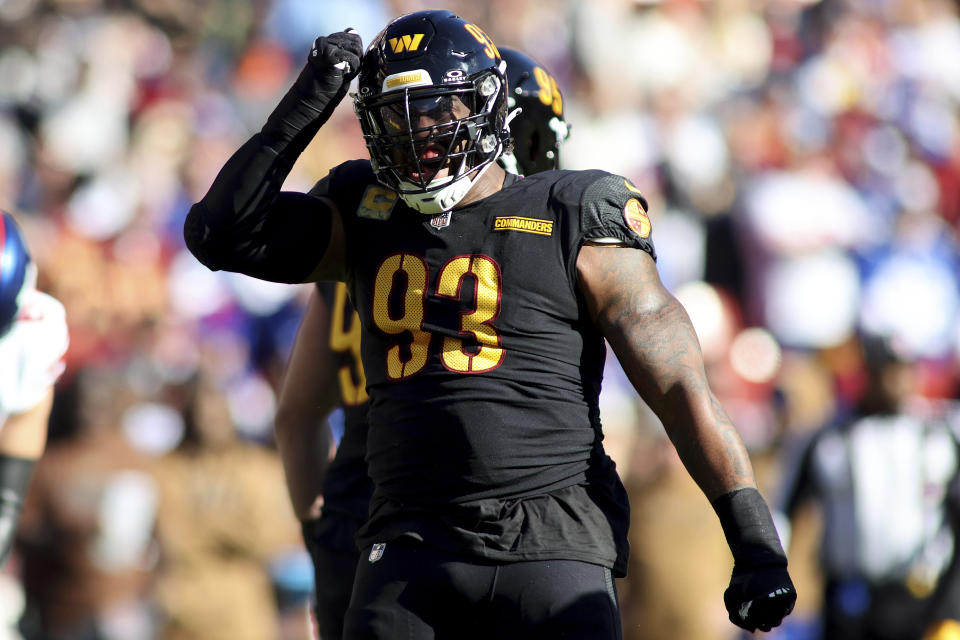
<point>33,344</point>
<point>325,371</point>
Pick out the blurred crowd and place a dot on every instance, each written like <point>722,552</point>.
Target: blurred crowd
<point>802,164</point>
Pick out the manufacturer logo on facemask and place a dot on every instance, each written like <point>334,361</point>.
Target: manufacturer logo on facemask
<point>454,75</point>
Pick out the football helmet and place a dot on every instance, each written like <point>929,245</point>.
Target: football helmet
<point>432,105</point>
<point>539,128</point>
<point>17,271</point>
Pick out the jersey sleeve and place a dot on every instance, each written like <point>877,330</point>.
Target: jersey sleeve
<point>346,185</point>
<point>613,211</point>
<point>33,353</point>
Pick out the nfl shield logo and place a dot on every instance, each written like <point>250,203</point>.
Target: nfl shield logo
<point>440,220</point>
<point>376,551</point>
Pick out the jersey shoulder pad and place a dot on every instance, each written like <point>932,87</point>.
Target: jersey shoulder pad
<point>612,209</point>
<point>344,176</point>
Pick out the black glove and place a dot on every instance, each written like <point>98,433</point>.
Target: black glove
<point>761,593</point>
<point>328,55</point>
<point>759,598</point>
<point>332,63</point>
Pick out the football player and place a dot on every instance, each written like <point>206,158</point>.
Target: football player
<point>325,371</point>
<point>535,114</point>
<point>33,343</point>
<point>484,300</point>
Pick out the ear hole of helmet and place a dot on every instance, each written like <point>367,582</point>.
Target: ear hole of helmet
<point>534,150</point>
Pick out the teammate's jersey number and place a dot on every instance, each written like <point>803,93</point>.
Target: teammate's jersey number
<point>403,277</point>
<point>488,47</point>
<point>549,92</point>
<point>345,338</point>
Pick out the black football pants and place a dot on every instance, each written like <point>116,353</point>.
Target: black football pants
<point>416,592</point>
<point>332,591</point>
<point>335,560</point>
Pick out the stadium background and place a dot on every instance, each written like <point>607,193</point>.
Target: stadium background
<point>801,159</point>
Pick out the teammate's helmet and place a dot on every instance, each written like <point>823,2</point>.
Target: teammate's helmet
<point>540,128</point>
<point>432,97</point>
<point>16,272</point>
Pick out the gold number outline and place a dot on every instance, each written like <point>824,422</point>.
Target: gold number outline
<point>411,319</point>
<point>478,322</point>
<point>549,93</point>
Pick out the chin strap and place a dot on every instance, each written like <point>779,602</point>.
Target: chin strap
<point>447,197</point>
<point>513,114</point>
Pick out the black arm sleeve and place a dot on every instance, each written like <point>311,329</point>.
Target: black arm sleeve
<point>284,246</point>
<point>245,223</point>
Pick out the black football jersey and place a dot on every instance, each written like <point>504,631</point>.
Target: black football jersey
<point>482,365</point>
<point>347,488</point>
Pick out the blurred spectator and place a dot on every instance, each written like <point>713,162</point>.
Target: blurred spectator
<point>664,511</point>
<point>665,514</point>
<point>86,539</point>
<point>223,517</point>
<point>886,480</point>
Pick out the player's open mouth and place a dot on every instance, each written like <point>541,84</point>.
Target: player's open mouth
<point>431,163</point>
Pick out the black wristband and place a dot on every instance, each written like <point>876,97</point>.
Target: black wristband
<point>749,529</point>
<point>14,480</point>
